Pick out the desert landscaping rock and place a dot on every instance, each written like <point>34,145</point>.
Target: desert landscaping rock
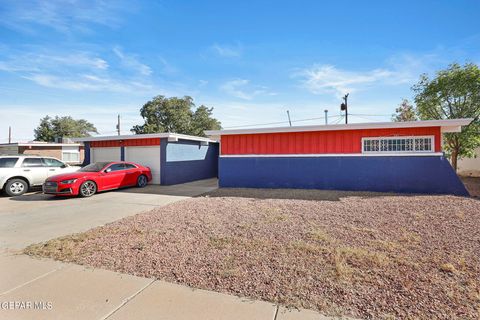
<point>356,254</point>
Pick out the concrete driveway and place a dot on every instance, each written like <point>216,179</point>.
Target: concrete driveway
<point>35,217</point>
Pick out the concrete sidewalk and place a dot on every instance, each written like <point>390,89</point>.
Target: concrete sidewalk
<point>68,291</point>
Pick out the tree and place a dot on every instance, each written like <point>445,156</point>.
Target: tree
<point>453,93</point>
<point>174,114</point>
<point>59,127</point>
<point>44,132</point>
<point>404,112</point>
<point>202,120</point>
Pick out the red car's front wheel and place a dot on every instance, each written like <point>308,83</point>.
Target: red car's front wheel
<point>142,181</point>
<point>87,189</point>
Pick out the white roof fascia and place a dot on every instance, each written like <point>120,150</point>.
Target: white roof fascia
<point>449,124</point>
<point>26,144</point>
<point>169,136</point>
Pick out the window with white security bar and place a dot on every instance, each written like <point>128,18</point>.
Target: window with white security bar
<point>398,144</point>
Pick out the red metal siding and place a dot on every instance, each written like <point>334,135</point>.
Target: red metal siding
<point>126,143</point>
<point>142,142</point>
<point>105,144</point>
<point>315,142</point>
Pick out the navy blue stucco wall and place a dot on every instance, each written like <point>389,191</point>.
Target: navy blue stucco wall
<point>86,155</point>
<point>122,153</point>
<point>186,161</point>
<point>406,174</point>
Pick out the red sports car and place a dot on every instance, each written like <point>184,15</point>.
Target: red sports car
<point>98,176</point>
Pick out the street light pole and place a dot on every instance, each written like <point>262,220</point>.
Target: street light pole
<point>289,121</point>
<point>118,125</point>
<point>344,107</point>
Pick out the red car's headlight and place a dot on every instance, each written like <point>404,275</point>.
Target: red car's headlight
<point>70,181</point>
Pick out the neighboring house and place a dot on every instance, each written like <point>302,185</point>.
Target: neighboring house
<point>469,166</point>
<point>386,157</point>
<point>72,153</point>
<point>172,158</point>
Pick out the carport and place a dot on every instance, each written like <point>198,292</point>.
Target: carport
<point>172,158</point>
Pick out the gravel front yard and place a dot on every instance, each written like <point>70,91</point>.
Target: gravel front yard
<point>357,254</point>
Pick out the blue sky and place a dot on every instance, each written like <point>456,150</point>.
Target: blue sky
<point>250,60</point>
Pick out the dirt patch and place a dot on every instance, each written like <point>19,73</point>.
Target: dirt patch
<point>342,253</point>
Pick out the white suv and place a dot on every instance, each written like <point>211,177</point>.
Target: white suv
<point>19,173</point>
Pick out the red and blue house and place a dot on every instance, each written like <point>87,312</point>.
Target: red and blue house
<point>387,157</point>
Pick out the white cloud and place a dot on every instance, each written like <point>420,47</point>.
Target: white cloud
<point>329,79</point>
<point>241,88</point>
<point>79,71</point>
<point>33,62</point>
<point>61,15</point>
<point>131,61</point>
<point>202,83</point>
<point>87,82</point>
<point>402,68</point>
<point>234,88</point>
<point>227,51</point>
<point>408,67</point>
<point>167,67</point>
<point>82,59</point>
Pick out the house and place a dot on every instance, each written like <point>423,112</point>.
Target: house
<point>469,167</point>
<point>173,158</point>
<point>386,157</point>
<point>71,153</point>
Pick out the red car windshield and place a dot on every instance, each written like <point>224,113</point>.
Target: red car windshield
<point>94,167</point>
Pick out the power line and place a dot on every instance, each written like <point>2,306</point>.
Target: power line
<point>338,120</point>
<point>357,116</point>
<point>280,122</point>
<point>321,118</point>
<point>258,124</point>
<point>371,115</point>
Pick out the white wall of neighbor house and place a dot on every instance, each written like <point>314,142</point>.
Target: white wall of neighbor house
<point>469,166</point>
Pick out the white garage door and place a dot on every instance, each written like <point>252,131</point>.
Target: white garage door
<point>104,154</point>
<point>146,156</point>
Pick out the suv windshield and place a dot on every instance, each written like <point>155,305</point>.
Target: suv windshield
<point>94,167</point>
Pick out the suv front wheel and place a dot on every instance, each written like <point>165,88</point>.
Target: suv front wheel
<point>16,187</point>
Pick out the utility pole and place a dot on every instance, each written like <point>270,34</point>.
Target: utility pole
<point>9,135</point>
<point>118,124</point>
<point>289,121</point>
<point>326,117</point>
<point>344,107</point>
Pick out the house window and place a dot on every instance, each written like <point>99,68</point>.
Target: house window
<point>397,144</point>
<point>70,154</point>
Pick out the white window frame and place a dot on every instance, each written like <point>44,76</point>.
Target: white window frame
<point>71,150</point>
<point>432,144</point>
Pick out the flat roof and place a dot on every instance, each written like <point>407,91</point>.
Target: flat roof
<point>449,125</point>
<point>168,135</point>
<point>40,144</point>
